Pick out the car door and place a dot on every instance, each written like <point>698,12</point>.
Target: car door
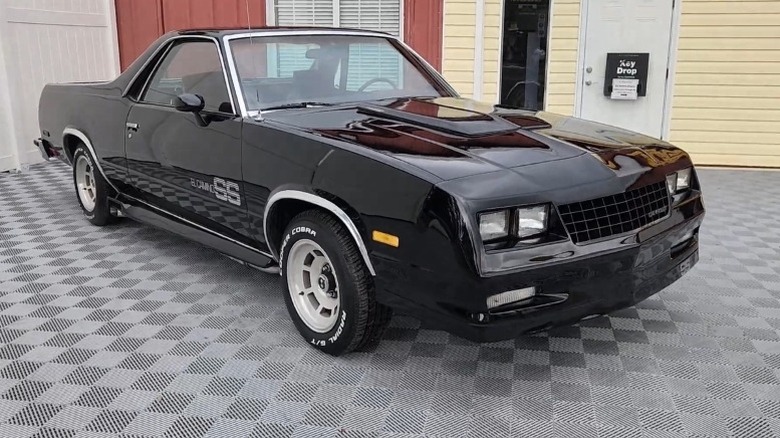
<point>186,163</point>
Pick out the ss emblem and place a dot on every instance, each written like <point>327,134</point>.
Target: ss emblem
<point>227,191</point>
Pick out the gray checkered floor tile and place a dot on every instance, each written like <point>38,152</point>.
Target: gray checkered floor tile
<point>129,331</point>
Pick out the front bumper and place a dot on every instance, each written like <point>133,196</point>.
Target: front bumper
<point>569,290</point>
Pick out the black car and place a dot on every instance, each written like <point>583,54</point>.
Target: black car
<point>340,159</point>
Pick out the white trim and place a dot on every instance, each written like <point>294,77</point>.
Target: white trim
<point>401,20</point>
<point>671,65</point>
<point>500,69</point>
<point>547,53</point>
<point>114,32</point>
<point>479,51</point>
<point>9,159</point>
<point>320,202</point>
<point>580,72</point>
<point>336,13</point>
<point>270,13</point>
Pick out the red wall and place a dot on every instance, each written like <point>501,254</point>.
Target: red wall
<point>139,22</point>
<point>423,26</point>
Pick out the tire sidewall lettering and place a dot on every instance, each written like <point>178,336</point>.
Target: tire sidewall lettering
<point>338,333</point>
<point>294,231</point>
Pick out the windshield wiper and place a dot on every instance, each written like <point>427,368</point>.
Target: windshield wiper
<point>294,105</point>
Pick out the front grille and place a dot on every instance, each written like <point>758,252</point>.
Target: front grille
<point>616,214</point>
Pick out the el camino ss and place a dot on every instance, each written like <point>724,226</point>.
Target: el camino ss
<point>341,160</point>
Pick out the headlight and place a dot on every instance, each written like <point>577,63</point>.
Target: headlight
<point>494,225</point>
<point>684,179</point>
<point>679,181</point>
<point>531,221</point>
<point>520,223</point>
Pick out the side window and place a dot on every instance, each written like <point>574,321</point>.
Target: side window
<point>190,67</point>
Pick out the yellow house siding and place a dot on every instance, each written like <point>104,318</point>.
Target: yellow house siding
<point>460,21</point>
<point>562,54</point>
<point>459,42</point>
<point>491,50</point>
<point>726,100</point>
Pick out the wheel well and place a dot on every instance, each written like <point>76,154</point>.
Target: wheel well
<point>284,210</point>
<point>69,143</point>
<point>281,213</point>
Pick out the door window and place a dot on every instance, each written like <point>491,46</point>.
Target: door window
<point>190,67</point>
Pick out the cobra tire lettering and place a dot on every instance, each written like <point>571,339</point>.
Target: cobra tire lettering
<point>292,232</point>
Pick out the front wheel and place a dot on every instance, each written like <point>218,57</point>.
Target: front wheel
<point>330,293</point>
<point>92,189</point>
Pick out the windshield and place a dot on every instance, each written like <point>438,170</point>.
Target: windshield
<point>327,69</point>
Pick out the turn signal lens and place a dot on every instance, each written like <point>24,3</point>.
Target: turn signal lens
<point>387,239</point>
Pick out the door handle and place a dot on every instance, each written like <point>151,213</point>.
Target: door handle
<point>132,126</point>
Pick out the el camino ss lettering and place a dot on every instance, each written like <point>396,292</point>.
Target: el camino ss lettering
<point>223,190</point>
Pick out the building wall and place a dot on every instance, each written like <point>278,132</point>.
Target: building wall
<point>460,20</point>
<point>726,104</point>
<point>726,91</point>
<point>562,56</point>
<point>461,41</point>
<point>140,22</point>
<point>39,42</point>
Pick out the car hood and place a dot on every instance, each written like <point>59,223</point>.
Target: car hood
<point>454,138</point>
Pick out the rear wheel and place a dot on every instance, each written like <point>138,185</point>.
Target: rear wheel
<point>92,189</point>
<point>330,293</point>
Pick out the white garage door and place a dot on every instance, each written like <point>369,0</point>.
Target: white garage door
<point>47,41</point>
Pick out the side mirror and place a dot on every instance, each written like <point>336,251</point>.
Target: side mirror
<point>189,103</point>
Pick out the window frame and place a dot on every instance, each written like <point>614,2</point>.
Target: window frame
<point>153,64</point>
<point>437,80</point>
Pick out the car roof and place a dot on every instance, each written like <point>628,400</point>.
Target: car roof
<point>223,31</point>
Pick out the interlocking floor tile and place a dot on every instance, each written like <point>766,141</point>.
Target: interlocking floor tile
<point>128,331</point>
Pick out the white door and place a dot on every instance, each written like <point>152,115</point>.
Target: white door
<point>626,26</point>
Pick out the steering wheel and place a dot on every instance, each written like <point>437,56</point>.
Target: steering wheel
<point>371,82</point>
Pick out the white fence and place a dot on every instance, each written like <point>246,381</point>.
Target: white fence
<point>44,41</point>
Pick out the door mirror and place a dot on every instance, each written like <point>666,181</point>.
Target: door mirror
<point>189,103</point>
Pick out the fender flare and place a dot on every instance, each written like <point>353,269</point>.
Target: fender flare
<point>325,204</point>
<point>85,140</point>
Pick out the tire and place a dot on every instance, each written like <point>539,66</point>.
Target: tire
<point>350,319</point>
<point>92,190</point>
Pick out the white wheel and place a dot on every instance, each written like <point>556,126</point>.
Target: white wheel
<point>313,287</point>
<point>85,183</point>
